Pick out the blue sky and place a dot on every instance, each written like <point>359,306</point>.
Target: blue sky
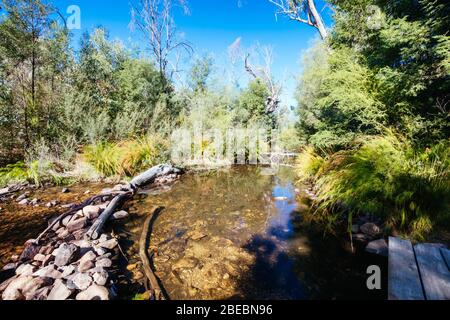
<point>212,26</point>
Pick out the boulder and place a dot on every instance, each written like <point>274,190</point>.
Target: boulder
<point>91,212</point>
<point>378,247</point>
<point>370,229</point>
<point>94,292</point>
<point>87,261</point>
<point>48,272</point>
<point>82,281</point>
<point>65,254</point>
<point>60,291</point>
<point>76,225</point>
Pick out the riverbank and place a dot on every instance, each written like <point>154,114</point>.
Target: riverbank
<point>241,233</point>
<point>67,261</point>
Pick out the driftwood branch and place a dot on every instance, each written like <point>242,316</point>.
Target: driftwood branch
<point>143,254</point>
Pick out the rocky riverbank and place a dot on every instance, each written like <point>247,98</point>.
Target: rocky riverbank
<point>366,231</point>
<point>65,262</point>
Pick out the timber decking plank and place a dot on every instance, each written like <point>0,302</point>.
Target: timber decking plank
<point>404,278</point>
<point>446,255</point>
<point>434,272</point>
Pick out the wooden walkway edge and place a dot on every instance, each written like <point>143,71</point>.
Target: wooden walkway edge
<point>421,272</point>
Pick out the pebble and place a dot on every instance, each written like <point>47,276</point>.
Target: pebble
<point>65,190</point>
<point>370,229</point>
<point>378,247</point>
<point>100,278</point>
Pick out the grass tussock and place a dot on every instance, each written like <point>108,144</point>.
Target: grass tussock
<point>36,172</point>
<point>384,176</point>
<point>126,158</point>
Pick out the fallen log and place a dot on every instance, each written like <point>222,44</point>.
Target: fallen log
<point>70,212</point>
<point>143,254</point>
<point>95,230</point>
<point>152,174</point>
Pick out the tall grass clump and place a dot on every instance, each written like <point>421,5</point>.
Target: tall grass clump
<point>384,176</point>
<point>308,164</point>
<point>127,158</point>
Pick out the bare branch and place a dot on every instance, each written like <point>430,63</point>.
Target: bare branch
<point>303,11</point>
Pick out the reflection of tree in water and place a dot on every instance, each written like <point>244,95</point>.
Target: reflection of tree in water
<point>272,276</point>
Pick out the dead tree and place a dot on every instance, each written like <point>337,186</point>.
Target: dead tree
<point>263,73</point>
<point>153,18</point>
<point>304,11</point>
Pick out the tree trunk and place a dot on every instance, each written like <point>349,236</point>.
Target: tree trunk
<point>317,19</point>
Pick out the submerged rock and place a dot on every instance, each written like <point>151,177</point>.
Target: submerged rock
<point>119,215</point>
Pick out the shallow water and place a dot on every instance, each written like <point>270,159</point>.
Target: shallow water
<point>244,233</point>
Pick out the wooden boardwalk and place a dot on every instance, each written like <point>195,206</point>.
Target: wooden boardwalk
<point>420,272</point>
